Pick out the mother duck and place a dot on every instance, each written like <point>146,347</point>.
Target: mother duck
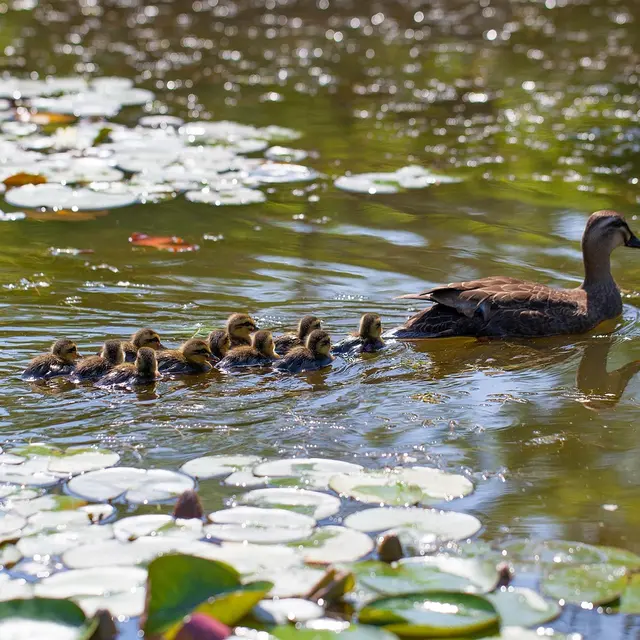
<point>501,307</point>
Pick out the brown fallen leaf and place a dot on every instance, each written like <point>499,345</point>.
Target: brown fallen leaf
<point>174,244</point>
<point>20,179</point>
<point>43,118</point>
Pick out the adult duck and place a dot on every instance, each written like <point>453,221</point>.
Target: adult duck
<point>500,307</point>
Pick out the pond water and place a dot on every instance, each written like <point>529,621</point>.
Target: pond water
<point>534,104</point>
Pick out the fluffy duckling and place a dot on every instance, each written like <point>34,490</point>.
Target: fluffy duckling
<point>141,338</point>
<point>315,355</point>
<point>59,362</point>
<point>219,343</point>
<point>240,327</point>
<point>260,354</point>
<point>192,357</point>
<point>143,371</point>
<point>95,367</point>
<point>289,341</point>
<point>366,340</point>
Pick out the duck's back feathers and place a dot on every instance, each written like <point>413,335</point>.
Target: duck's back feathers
<point>244,357</point>
<point>173,361</point>
<point>301,359</point>
<point>125,374</point>
<point>47,366</point>
<point>91,368</point>
<point>130,351</point>
<point>285,343</point>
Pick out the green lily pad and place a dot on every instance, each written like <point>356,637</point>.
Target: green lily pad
<point>630,600</point>
<point>330,631</point>
<point>432,614</point>
<point>333,544</point>
<point>520,633</point>
<point>595,584</point>
<point>523,607</point>
<point>309,503</point>
<point>179,585</point>
<point>43,618</point>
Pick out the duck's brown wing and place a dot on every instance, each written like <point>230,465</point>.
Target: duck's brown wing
<point>489,296</point>
<point>284,344</point>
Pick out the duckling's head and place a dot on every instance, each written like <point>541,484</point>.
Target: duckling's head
<point>146,338</point>
<point>607,230</point>
<point>263,342</point>
<point>308,324</point>
<point>66,350</point>
<point>112,352</point>
<point>370,326</point>
<point>146,363</point>
<point>319,342</point>
<point>196,351</point>
<point>240,325</point>
<point>219,343</point>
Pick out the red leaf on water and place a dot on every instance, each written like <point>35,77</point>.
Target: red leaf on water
<point>174,244</point>
<point>202,627</point>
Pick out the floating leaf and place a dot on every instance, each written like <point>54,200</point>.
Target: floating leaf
<point>432,614</point>
<point>284,154</point>
<point>518,606</point>
<point>333,544</point>
<point>595,584</point>
<point>179,585</point>
<point>57,196</point>
<point>92,582</point>
<point>20,179</point>
<point>519,633</point>
<point>164,243</point>
<point>310,503</point>
<point>330,630</point>
<point>56,543</point>
<point>294,582</point>
<point>630,601</point>
<point>218,466</point>
<point>135,527</point>
<point>280,173</point>
<point>313,471</point>
<point>286,610</point>
<point>237,196</point>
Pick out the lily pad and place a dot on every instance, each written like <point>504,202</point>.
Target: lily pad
<point>138,486</point>
<point>400,487</point>
<point>129,604</point>
<point>333,544</point>
<point>432,614</point>
<point>135,527</point>
<point>326,629</point>
<point>14,588</point>
<point>57,196</point>
<point>438,525</point>
<point>263,526</point>
<point>218,466</point>
<point>312,503</point>
<point>42,618</point>
<point>53,502</point>
<point>520,633</point>
<point>519,606</point>
<point>630,601</point>
<point>595,584</point>
<point>294,582</point>
<point>280,173</point>
<point>92,582</point>
<point>10,523</point>
<point>237,196</point>
<point>284,154</point>
<point>285,610</point>
<point>313,471</point>
<point>55,544</point>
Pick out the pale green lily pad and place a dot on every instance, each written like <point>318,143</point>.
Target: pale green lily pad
<point>523,607</point>
<point>630,601</point>
<point>587,584</point>
<point>327,629</point>
<point>292,583</point>
<point>55,544</point>
<point>284,610</point>
<point>92,582</point>
<point>311,503</point>
<point>54,502</point>
<point>245,479</point>
<point>315,472</point>
<point>9,555</point>
<point>129,604</point>
<point>55,521</point>
<point>399,487</point>
<point>57,196</point>
<point>83,460</point>
<point>432,614</point>
<point>439,525</point>
<point>135,527</point>
<point>429,573</point>
<point>261,526</point>
<point>218,466</point>
<point>520,633</point>
<point>333,544</point>
<point>11,523</point>
<point>14,588</point>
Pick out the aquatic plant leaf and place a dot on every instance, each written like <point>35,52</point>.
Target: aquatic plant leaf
<point>11,522</point>
<point>57,542</point>
<point>315,472</point>
<point>160,121</point>
<point>519,606</point>
<point>92,582</point>
<point>333,544</point>
<point>128,604</point>
<point>258,525</point>
<point>207,467</point>
<point>330,630</point>
<point>294,582</point>
<point>179,585</point>
<point>520,633</point>
<point>75,461</point>
<point>284,154</point>
<point>135,527</point>
<point>57,196</point>
<point>164,243</point>
<point>20,179</point>
<point>432,614</point>
<point>43,618</point>
<point>630,600</point>
<point>14,588</point>
<point>310,503</point>
<point>237,196</point>
<point>436,524</point>
<point>286,610</point>
<point>280,173</point>
<point>595,584</point>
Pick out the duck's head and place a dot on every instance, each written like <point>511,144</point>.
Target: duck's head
<point>308,324</point>
<point>146,363</point>
<point>112,352</point>
<point>240,325</point>
<point>319,342</point>
<point>146,338</point>
<point>65,350</point>
<point>262,341</point>
<point>219,343</point>
<point>196,351</point>
<point>607,230</point>
<point>370,327</point>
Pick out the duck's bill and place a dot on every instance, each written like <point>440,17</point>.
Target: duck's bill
<point>633,241</point>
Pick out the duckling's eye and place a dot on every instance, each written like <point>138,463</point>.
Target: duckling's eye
<point>73,349</point>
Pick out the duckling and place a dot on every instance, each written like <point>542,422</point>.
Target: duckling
<point>315,355</point>
<point>143,371</point>
<point>366,340</point>
<point>59,362</point>
<point>95,367</point>
<point>260,354</point>
<point>141,338</point>
<point>219,343</point>
<point>240,327</point>
<point>192,357</point>
<point>285,343</point>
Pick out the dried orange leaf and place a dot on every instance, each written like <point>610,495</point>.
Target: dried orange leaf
<point>20,179</point>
